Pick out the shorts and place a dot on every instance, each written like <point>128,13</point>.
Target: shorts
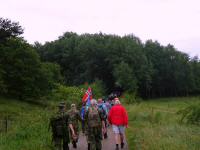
<point>118,129</point>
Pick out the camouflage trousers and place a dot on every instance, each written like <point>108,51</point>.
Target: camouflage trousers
<point>61,143</point>
<point>94,136</point>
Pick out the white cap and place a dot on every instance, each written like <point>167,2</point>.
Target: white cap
<point>93,102</point>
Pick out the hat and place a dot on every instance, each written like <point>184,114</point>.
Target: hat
<point>61,106</point>
<point>62,103</point>
<point>73,105</point>
<point>93,102</point>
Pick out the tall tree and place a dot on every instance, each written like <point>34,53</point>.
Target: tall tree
<point>125,77</point>
<point>9,29</point>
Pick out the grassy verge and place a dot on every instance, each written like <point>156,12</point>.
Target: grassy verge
<point>154,125</point>
<point>27,126</point>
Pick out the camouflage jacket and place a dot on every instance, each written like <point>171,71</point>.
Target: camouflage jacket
<point>97,120</point>
<point>74,117</point>
<point>59,125</point>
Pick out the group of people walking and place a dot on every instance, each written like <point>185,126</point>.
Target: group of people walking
<point>94,119</point>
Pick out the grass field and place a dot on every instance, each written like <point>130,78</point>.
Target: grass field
<point>153,125</point>
<point>27,128</point>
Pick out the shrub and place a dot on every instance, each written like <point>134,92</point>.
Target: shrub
<point>67,94</point>
<point>190,114</point>
<point>75,94</point>
<point>98,88</point>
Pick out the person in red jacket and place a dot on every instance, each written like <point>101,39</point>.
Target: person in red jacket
<point>118,118</point>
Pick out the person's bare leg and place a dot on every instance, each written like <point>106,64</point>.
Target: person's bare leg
<point>117,140</point>
<point>122,139</point>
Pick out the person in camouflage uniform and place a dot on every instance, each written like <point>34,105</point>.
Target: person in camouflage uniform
<point>59,126</point>
<point>94,124</point>
<point>74,118</point>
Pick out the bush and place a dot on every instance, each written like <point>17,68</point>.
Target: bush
<point>191,114</point>
<point>75,94</point>
<point>67,94</point>
<point>98,88</point>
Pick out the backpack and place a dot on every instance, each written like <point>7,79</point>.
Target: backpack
<point>93,117</point>
<point>103,111</point>
<point>58,125</point>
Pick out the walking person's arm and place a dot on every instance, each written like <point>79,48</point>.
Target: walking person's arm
<point>103,126</point>
<point>125,117</point>
<point>109,116</point>
<point>72,129</point>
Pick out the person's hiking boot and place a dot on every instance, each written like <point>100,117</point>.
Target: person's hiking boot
<point>88,146</point>
<point>117,147</point>
<point>122,145</point>
<point>74,144</point>
<point>105,136</point>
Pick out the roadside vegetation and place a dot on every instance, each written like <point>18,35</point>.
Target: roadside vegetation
<point>155,125</point>
<point>24,125</point>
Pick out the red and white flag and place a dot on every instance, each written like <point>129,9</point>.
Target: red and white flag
<point>88,95</point>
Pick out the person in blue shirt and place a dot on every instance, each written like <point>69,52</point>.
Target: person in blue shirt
<point>103,108</point>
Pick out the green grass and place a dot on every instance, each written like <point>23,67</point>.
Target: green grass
<point>155,125</point>
<point>28,126</point>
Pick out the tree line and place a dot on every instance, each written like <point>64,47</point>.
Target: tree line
<point>148,69</point>
<point>22,73</point>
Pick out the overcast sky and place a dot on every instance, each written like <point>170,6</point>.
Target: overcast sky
<point>167,21</point>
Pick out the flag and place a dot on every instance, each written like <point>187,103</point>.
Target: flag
<point>88,96</point>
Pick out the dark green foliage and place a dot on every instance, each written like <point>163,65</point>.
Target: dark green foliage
<point>9,29</point>
<point>98,88</point>
<point>67,94</point>
<point>50,75</point>
<point>2,84</point>
<point>125,77</point>
<point>75,94</point>
<point>21,66</point>
<point>22,74</point>
<point>191,114</point>
<point>146,69</point>
<point>150,69</point>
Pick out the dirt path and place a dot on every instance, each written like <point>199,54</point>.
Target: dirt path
<point>107,144</point>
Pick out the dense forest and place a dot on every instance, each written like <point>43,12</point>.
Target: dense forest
<point>124,62</point>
